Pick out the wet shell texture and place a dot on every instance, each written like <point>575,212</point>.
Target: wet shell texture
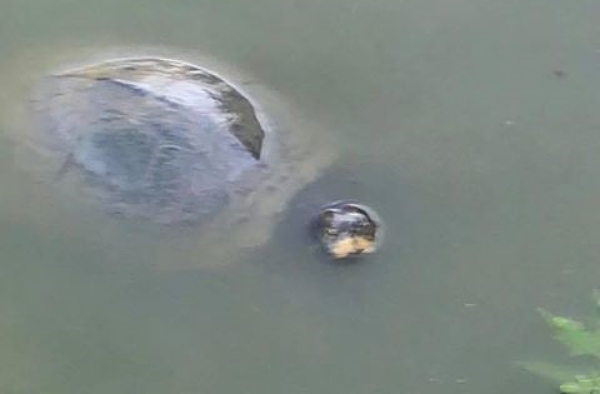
<point>152,137</point>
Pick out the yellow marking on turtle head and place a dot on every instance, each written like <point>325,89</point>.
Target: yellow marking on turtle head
<point>350,246</point>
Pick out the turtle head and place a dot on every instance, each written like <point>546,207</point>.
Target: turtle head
<point>347,229</point>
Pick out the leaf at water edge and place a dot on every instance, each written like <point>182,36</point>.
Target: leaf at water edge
<point>572,334</point>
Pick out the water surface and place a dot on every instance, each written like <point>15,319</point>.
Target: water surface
<point>470,125</point>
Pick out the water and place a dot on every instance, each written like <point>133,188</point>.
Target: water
<point>472,127</point>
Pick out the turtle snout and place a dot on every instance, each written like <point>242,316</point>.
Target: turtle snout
<point>350,245</point>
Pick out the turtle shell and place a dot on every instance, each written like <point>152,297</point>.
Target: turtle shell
<point>153,137</point>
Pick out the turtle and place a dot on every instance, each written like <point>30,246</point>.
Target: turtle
<point>168,141</point>
<point>347,228</point>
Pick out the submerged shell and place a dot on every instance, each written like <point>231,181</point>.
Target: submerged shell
<point>152,137</point>
<point>162,140</point>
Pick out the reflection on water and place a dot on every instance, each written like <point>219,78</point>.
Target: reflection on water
<point>450,119</point>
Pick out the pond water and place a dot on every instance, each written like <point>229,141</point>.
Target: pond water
<point>470,125</point>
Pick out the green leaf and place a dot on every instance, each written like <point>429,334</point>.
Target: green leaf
<point>573,334</point>
<point>571,388</point>
<point>582,385</point>
<point>580,340</point>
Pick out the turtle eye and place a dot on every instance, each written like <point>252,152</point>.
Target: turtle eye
<point>326,216</point>
<point>331,231</point>
<point>365,228</point>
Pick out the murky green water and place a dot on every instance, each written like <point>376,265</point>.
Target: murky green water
<point>471,125</point>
